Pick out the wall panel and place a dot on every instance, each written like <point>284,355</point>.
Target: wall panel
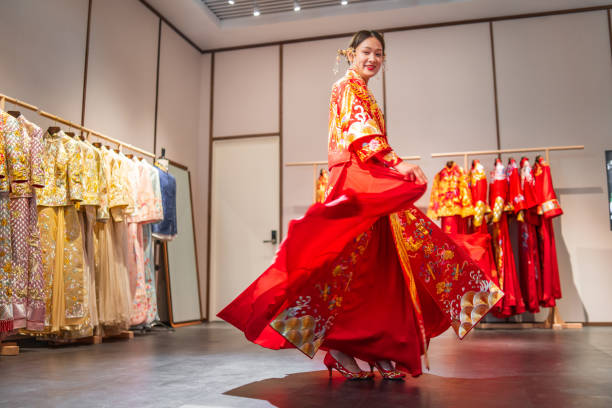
<point>179,127</point>
<point>246,92</point>
<point>555,88</point>
<point>43,55</point>
<point>440,93</point>
<point>122,71</point>
<point>199,179</point>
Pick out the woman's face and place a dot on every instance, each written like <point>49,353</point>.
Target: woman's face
<point>368,58</point>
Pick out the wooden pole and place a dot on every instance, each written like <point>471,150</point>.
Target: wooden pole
<point>314,177</point>
<point>501,151</point>
<point>320,163</point>
<point>5,98</point>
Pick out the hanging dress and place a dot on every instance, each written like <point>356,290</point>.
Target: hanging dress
<point>548,208</point>
<point>512,303</point>
<point>529,257</point>
<point>365,272</point>
<point>451,199</point>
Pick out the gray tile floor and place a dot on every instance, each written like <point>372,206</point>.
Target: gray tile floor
<point>212,365</point>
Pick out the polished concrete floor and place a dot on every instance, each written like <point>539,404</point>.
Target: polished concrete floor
<point>214,366</point>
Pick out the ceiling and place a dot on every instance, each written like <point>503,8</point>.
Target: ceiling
<point>194,19</point>
<point>225,10</point>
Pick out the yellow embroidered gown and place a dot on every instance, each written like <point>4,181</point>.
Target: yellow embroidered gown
<point>67,307</point>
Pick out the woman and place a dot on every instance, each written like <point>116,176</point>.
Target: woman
<point>365,274</point>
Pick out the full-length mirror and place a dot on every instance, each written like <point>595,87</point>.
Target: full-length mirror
<point>182,276</point>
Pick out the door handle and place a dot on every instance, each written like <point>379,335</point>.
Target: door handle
<point>273,239</point>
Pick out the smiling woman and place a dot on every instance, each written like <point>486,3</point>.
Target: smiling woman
<point>364,274</point>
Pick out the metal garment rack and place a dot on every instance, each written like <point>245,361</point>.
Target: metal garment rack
<point>12,348</point>
<point>554,320</point>
<point>315,166</point>
<point>86,131</point>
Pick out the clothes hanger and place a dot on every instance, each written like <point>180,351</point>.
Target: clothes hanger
<point>450,164</point>
<point>97,144</point>
<point>14,114</point>
<point>129,156</point>
<point>53,130</point>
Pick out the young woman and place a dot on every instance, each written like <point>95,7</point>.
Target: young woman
<point>365,274</point>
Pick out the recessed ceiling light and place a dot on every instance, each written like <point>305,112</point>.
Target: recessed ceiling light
<point>344,2</point>
<point>296,6</point>
<point>231,2</point>
<point>256,12</point>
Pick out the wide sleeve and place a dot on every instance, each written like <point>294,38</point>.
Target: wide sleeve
<point>2,157</point>
<point>75,171</point>
<point>478,185</point>
<point>465,195</point>
<point>17,151</point>
<point>548,205</point>
<point>37,175</point>
<point>434,202</point>
<point>497,197</point>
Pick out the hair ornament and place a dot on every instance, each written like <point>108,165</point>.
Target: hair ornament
<point>342,53</point>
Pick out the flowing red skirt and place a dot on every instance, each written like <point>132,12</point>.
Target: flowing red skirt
<point>342,253</point>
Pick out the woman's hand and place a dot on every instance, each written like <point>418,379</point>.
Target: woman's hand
<point>412,172</point>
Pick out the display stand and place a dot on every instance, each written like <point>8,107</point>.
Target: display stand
<point>315,166</point>
<point>11,348</point>
<point>554,320</point>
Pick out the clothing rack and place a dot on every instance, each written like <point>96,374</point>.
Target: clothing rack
<point>465,155</point>
<point>554,320</point>
<point>315,166</point>
<point>11,348</point>
<point>87,131</point>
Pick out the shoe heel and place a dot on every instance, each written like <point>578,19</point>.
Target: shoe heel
<point>371,368</point>
<point>330,372</point>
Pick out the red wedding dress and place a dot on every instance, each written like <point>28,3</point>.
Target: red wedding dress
<point>364,272</point>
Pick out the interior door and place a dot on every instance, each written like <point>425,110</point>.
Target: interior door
<point>245,215</point>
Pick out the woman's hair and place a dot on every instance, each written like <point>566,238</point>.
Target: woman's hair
<point>358,38</point>
<point>361,36</point>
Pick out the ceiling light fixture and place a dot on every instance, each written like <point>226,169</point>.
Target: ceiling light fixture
<point>296,6</point>
<point>256,12</point>
<point>231,2</point>
<point>344,2</point>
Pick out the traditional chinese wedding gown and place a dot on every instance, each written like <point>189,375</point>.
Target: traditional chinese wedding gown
<point>365,272</point>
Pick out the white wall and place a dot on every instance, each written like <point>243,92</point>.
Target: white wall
<point>246,92</point>
<point>555,88</point>
<point>122,71</point>
<point>440,94</point>
<point>179,127</point>
<point>199,179</point>
<point>43,54</point>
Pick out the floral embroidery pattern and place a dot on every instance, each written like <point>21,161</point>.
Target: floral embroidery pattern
<point>452,279</point>
<point>305,323</point>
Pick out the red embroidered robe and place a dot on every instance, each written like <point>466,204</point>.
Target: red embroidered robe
<point>528,241</point>
<point>512,303</point>
<point>548,208</point>
<point>364,272</point>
